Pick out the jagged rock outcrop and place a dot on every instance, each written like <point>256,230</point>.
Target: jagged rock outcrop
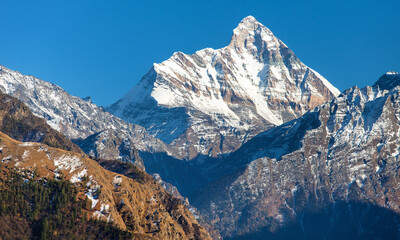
<point>211,102</point>
<point>340,159</point>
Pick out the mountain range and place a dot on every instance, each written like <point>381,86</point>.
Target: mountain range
<point>253,142</point>
<point>344,152</point>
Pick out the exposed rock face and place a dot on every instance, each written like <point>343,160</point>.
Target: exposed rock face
<point>343,153</point>
<point>108,144</point>
<point>18,122</point>
<point>77,118</point>
<point>141,206</point>
<point>170,188</point>
<point>213,101</point>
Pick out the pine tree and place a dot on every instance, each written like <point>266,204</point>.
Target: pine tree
<point>44,229</point>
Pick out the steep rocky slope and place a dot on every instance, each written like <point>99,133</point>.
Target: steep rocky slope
<point>337,167</point>
<point>141,206</point>
<point>17,121</point>
<point>211,102</point>
<point>131,172</point>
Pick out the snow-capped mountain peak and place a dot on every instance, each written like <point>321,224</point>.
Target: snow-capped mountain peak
<point>253,36</point>
<point>250,24</point>
<point>230,94</point>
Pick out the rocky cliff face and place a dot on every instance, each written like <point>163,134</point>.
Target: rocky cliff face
<point>340,161</point>
<point>211,102</point>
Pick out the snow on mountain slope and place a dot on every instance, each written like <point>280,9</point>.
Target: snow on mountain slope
<point>75,117</point>
<point>213,101</point>
<point>346,150</point>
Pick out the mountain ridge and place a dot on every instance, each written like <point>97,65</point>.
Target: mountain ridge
<point>76,118</point>
<point>344,151</point>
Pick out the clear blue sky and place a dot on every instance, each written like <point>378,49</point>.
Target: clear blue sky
<point>102,48</point>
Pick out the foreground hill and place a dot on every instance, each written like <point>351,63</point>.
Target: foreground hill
<point>138,205</point>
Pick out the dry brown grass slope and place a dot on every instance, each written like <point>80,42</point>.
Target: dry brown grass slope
<point>142,207</point>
